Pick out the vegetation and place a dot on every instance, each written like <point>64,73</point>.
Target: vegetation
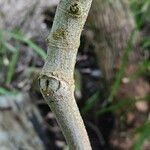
<point>10,51</point>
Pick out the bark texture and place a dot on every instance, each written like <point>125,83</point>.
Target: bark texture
<point>113,26</point>
<point>113,23</point>
<point>56,80</point>
<point>20,124</point>
<point>25,15</point>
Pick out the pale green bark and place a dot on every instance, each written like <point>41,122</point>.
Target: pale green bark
<point>56,80</point>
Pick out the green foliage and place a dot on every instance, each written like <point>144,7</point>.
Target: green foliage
<point>122,104</point>
<point>141,11</point>
<point>143,133</point>
<point>143,70</point>
<point>123,65</point>
<point>18,36</point>
<point>4,91</point>
<point>9,54</point>
<point>90,103</point>
<point>146,43</point>
<point>11,67</point>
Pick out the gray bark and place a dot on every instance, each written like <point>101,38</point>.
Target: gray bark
<point>18,115</point>
<point>56,80</point>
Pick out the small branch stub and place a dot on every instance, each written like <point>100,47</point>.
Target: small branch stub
<point>75,9</point>
<point>60,33</point>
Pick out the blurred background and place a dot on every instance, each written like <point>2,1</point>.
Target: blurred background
<point>112,75</point>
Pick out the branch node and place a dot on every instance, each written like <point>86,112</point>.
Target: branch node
<point>60,34</point>
<point>75,10</point>
<point>49,85</point>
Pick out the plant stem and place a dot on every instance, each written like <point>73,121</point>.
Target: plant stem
<point>56,79</point>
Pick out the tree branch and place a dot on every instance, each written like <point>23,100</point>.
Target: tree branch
<point>56,79</point>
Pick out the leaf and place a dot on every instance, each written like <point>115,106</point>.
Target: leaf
<point>124,62</point>
<point>3,91</point>
<point>11,67</point>
<point>18,36</point>
<point>144,133</point>
<point>90,103</point>
<point>121,104</point>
